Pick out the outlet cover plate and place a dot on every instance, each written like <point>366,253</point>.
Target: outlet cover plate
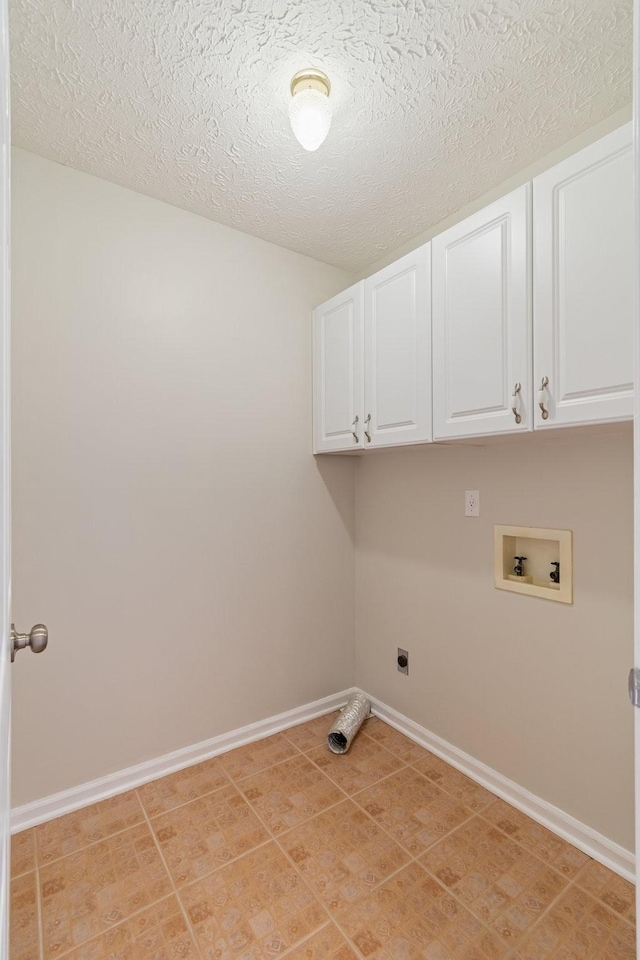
<point>472,503</point>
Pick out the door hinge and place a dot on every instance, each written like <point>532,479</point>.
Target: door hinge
<point>634,687</point>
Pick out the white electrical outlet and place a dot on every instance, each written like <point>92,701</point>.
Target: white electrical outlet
<point>472,503</point>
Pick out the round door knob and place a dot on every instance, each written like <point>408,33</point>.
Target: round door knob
<point>37,639</point>
<point>402,661</point>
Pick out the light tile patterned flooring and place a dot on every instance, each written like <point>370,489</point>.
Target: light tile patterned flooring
<point>281,849</point>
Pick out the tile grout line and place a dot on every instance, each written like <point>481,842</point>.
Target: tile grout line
<point>395,840</point>
<point>284,734</point>
<point>302,942</point>
<point>532,853</point>
<point>574,883</point>
<point>494,796</point>
<point>237,783</point>
<point>277,837</point>
<point>171,881</point>
<point>223,866</point>
<point>337,804</point>
<point>331,916</point>
<point>551,865</point>
<point>315,766</point>
<point>481,813</point>
<point>409,763</point>
<point>375,782</point>
<point>114,926</point>
<point>544,913</point>
<point>416,860</point>
<point>178,890</point>
<point>136,913</point>
<point>274,835</point>
<point>472,813</point>
<point>271,837</point>
<point>472,912</point>
<point>570,883</point>
<point>179,806</point>
<point>601,903</point>
<point>346,936</point>
<point>236,780</point>
<point>92,843</point>
<point>274,840</point>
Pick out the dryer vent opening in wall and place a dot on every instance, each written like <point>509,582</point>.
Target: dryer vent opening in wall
<point>534,561</point>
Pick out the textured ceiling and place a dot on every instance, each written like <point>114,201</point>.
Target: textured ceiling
<point>435,102</point>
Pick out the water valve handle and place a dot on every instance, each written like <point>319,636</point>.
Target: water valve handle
<point>519,567</point>
<point>555,574</point>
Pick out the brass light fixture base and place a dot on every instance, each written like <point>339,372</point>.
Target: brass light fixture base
<point>310,80</point>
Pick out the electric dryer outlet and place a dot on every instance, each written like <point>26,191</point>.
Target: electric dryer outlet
<point>403,661</point>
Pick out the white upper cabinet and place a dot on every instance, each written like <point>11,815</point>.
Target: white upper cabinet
<point>397,337</point>
<point>338,399</point>
<point>482,322</point>
<point>584,285</point>
<point>530,327</point>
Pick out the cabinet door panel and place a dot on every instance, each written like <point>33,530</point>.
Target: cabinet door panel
<point>397,351</point>
<point>583,284</point>
<point>481,321</point>
<point>337,372</point>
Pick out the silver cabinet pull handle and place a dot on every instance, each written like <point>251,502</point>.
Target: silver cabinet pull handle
<point>515,403</point>
<point>542,397</point>
<point>354,432</point>
<point>366,432</point>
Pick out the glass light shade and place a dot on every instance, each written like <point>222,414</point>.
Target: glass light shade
<point>310,115</point>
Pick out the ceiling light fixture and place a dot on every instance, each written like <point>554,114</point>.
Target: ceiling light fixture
<point>310,108</point>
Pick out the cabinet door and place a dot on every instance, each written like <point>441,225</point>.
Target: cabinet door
<point>482,322</point>
<point>583,285</point>
<point>337,372</point>
<point>398,352</point>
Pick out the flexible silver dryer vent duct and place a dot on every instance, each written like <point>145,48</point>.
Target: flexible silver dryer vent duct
<point>351,718</point>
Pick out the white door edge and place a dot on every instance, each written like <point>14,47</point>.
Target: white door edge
<point>5,537</point>
<point>636,428</point>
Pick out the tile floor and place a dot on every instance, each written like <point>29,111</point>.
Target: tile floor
<point>281,849</point>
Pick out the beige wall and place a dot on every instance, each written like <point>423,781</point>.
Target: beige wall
<point>535,689</point>
<point>194,563</point>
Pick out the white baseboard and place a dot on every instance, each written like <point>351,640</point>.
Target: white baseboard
<point>39,811</point>
<point>591,842</point>
<point>594,844</point>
